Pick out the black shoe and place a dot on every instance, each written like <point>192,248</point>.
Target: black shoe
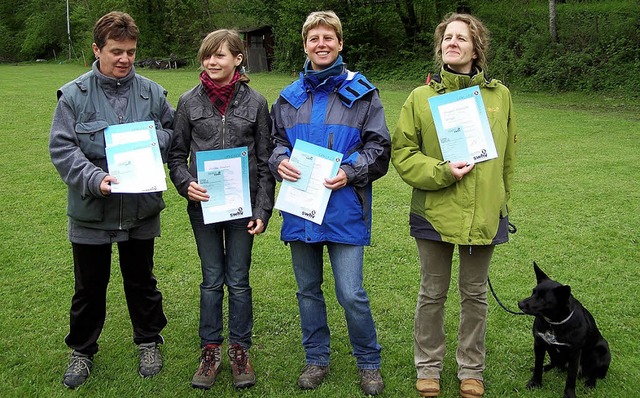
<point>78,370</point>
<point>150,359</point>
<point>312,376</point>
<point>371,381</point>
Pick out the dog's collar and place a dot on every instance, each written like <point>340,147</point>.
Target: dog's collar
<point>549,321</point>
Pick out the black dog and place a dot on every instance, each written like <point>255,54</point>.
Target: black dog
<point>568,332</point>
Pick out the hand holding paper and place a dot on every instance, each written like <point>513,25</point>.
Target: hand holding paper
<point>304,191</point>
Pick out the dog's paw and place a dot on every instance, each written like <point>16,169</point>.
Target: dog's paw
<point>590,384</point>
<point>533,384</point>
<point>569,394</point>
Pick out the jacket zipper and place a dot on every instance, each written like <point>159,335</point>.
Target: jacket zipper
<point>121,207</point>
<point>223,130</point>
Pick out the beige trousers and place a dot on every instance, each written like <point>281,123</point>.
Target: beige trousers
<point>429,334</point>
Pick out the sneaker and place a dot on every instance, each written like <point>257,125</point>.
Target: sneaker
<point>243,374</point>
<point>371,381</point>
<point>150,359</point>
<point>78,370</point>
<point>210,362</point>
<point>311,376</point>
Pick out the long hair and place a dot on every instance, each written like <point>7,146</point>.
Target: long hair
<point>479,37</point>
<point>214,40</point>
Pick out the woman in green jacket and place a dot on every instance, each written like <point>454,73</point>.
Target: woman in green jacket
<point>455,203</point>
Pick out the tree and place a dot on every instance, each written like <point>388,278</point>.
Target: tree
<point>553,29</point>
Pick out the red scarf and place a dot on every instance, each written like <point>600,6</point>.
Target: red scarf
<point>219,95</point>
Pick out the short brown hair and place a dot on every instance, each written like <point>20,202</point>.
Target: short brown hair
<point>214,40</point>
<point>327,18</point>
<point>115,25</point>
<point>479,37</point>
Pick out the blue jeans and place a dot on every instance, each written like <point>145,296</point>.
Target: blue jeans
<point>346,264</point>
<point>225,257</point>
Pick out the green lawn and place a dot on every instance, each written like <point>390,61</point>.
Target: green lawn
<point>576,203</point>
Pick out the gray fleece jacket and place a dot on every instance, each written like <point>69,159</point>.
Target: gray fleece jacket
<point>86,106</point>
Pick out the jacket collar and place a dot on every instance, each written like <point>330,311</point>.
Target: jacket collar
<point>447,80</point>
<point>110,82</point>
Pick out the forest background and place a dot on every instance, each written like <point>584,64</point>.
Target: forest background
<point>539,45</point>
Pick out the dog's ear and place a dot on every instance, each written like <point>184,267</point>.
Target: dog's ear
<point>563,293</point>
<point>540,275</point>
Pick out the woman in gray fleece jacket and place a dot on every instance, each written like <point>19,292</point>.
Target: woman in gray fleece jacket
<point>111,93</point>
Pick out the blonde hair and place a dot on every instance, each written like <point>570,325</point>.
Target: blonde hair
<point>327,18</point>
<point>479,38</point>
<point>214,40</point>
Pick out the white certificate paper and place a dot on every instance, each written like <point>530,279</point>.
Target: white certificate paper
<point>133,157</point>
<point>308,197</point>
<point>462,126</point>
<point>224,173</point>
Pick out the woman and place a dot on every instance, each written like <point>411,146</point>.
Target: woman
<point>337,109</point>
<point>111,93</point>
<point>455,203</point>
<point>221,112</point>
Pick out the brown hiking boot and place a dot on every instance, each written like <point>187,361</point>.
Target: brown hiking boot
<point>312,376</point>
<point>371,381</point>
<point>210,362</point>
<point>243,374</point>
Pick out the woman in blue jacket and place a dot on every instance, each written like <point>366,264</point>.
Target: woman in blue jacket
<point>335,108</point>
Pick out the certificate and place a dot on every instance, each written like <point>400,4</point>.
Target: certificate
<point>308,197</point>
<point>133,157</point>
<point>224,173</point>
<point>462,126</point>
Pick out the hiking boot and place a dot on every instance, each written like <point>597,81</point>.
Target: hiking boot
<point>78,370</point>
<point>311,376</point>
<point>371,381</point>
<point>471,388</point>
<point>243,374</point>
<point>150,359</point>
<point>210,362</point>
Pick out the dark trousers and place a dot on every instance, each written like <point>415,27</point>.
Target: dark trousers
<point>92,269</point>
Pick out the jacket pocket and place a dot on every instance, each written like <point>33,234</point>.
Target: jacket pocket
<point>87,209</point>
<point>204,126</point>
<point>248,113</point>
<point>149,205</point>
<point>91,138</point>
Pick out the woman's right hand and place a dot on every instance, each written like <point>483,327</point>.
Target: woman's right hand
<point>287,171</point>
<point>197,192</point>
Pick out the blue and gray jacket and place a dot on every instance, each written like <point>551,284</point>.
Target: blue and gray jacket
<point>342,113</point>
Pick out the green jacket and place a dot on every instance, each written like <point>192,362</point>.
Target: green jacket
<point>470,211</point>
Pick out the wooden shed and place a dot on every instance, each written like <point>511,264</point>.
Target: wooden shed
<point>258,43</point>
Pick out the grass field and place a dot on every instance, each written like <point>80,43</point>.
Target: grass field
<point>576,203</point>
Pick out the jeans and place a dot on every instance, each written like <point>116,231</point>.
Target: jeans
<point>225,257</point>
<point>346,264</point>
<point>92,270</point>
<point>429,333</point>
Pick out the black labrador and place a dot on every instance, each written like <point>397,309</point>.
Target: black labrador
<point>567,331</point>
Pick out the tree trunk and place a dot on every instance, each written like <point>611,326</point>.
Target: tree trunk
<point>553,28</point>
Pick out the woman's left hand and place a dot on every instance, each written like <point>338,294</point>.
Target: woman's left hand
<point>255,227</point>
<point>460,168</point>
<point>336,182</point>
